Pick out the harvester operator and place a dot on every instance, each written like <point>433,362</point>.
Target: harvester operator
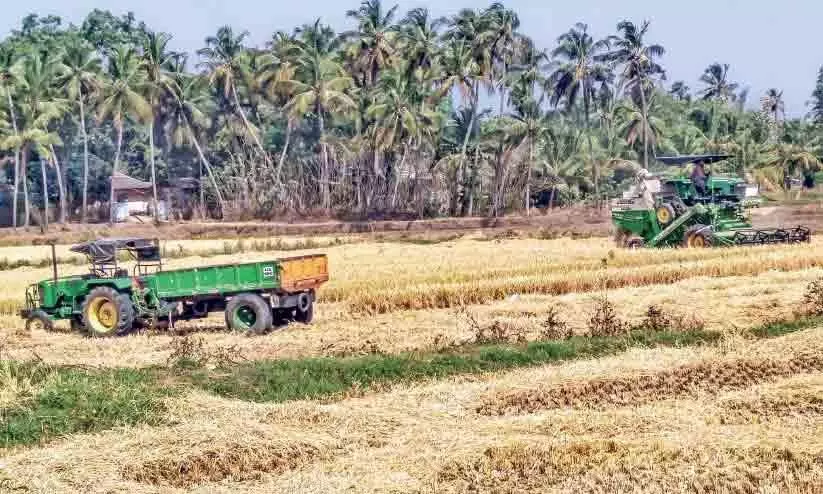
<point>699,176</point>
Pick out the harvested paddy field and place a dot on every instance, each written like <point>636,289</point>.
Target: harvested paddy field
<point>472,364</point>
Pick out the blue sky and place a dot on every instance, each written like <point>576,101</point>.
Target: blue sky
<point>767,44</point>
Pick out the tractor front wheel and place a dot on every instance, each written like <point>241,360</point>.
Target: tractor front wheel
<point>107,312</point>
<point>39,320</point>
<point>698,237</point>
<point>248,312</point>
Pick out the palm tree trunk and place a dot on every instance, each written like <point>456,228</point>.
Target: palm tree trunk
<point>645,111</point>
<point>16,159</point>
<point>202,194</point>
<point>464,149</point>
<point>397,176</point>
<point>284,152</point>
<point>16,188</point>
<point>24,165</point>
<point>324,172</point>
<point>44,224</point>
<point>61,190</point>
<point>153,170</point>
<point>85,158</point>
<point>248,125</point>
<point>595,165</point>
<point>529,177</point>
<point>114,171</point>
<point>473,179</point>
<point>205,163</point>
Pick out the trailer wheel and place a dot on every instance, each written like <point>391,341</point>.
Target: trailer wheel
<point>305,309</point>
<point>39,320</point>
<point>248,312</point>
<point>106,312</point>
<point>698,237</point>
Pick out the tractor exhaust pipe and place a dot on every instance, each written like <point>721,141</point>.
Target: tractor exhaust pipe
<point>54,260</point>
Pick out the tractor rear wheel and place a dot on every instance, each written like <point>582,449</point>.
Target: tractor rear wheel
<point>39,320</point>
<point>698,237</point>
<point>107,312</point>
<point>665,214</point>
<point>248,312</point>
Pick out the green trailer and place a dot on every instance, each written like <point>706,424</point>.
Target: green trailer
<point>113,300</point>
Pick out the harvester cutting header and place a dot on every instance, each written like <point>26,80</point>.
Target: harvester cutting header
<point>701,210</point>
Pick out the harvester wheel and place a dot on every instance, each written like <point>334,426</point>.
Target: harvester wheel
<point>39,320</point>
<point>665,214</point>
<point>635,243</point>
<point>248,312</point>
<point>106,312</point>
<point>698,237</point>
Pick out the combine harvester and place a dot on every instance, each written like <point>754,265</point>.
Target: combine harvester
<point>111,300</point>
<point>670,212</point>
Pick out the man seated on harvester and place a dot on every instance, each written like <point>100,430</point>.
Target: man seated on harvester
<point>699,178</point>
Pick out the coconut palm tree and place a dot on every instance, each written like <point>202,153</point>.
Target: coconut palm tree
<point>223,56</point>
<point>774,105</point>
<point>530,125</point>
<point>680,91</point>
<point>8,59</point>
<point>399,120</point>
<point>37,75</point>
<point>503,24</point>
<point>791,161</point>
<point>80,79</point>
<point>156,62</point>
<point>419,35</point>
<point>124,98</point>
<point>579,74</point>
<point>816,103</point>
<point>276,69</point>
<point>718,87</point>
<point>187,119</point>
<point>461,73</point>
<point>639,68</point>
<point>319,87</point>
<point>372,44</point>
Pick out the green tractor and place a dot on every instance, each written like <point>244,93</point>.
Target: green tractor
<point>112,300</point>
<point>670,212</point>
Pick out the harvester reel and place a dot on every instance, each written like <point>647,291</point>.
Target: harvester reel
<point>665,214</point>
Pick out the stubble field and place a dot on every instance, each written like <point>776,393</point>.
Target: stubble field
<point>478,364</point>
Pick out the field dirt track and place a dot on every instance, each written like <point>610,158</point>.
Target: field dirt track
<point>580,221</point>
<point>739,412</point>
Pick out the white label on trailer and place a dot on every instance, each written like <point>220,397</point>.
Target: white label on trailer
<point>268,272</point>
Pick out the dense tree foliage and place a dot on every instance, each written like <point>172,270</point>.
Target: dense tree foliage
<point>397,114</point>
